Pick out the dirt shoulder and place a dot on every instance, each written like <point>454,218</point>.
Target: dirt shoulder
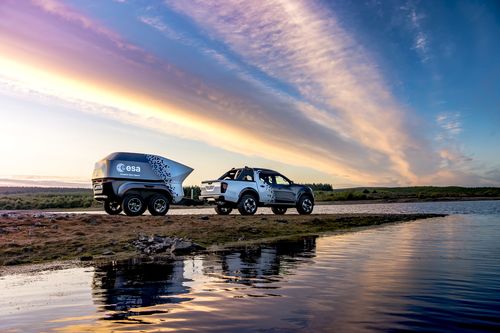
<point>37,238</point>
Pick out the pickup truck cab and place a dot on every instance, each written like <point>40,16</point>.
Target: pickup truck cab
<point>248,188</point>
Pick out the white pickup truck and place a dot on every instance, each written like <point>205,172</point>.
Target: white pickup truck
<point>248,188</point>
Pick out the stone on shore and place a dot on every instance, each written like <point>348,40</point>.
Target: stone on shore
<point>164,244</point>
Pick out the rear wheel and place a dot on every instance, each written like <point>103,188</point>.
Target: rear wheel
<point>278,210</point>
<point>247,205</point>
<point>305,205</point>
<point>223,209</point>
<point>133,205</point>
<point>112,207</point>
<point>158,205</point>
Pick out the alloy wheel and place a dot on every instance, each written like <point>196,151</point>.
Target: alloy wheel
<point>307,205</point>
<point>135,205</point>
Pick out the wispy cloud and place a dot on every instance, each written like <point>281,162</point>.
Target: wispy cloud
<point>420,36</point>
<point>302,45</point>
<point>156,23</point>
<point>303,91</point>
<point>60,9</point>
<point>450,125</point>
<point>453,160</point>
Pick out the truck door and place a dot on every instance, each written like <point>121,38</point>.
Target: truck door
<point>264,182</point>
<point>282,189</point>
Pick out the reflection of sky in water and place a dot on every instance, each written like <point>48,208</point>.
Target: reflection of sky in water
<point>412,276</point>
<point>29,302</point>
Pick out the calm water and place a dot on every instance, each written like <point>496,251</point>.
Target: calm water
<point>434,275</point>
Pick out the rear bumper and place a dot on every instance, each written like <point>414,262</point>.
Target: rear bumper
<point>212,198</point>
<point>103,190</point>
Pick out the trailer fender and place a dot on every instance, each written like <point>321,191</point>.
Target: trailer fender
<point>141,187</point>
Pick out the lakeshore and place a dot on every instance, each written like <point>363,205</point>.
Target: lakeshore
<point>27,238</point>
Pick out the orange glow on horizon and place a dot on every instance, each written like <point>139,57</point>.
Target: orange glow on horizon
<point>58,83</point>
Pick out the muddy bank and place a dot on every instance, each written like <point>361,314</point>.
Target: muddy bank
<point>35,238</point>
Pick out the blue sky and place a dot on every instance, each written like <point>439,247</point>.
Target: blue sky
<point>344,92</point>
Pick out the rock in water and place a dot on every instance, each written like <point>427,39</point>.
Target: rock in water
<point>158,244</point>
<point>184,246</point>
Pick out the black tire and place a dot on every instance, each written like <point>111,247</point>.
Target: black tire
<point>247,205</point>
<point>158,205</point>
<point>223,209</point>
<point>305,205</point>
<point>279,210</point>
<point>112,207</point>
<point>133,205</point>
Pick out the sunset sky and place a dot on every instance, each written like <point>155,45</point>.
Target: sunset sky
<point>374,92</point>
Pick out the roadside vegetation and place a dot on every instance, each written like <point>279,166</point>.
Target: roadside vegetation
<point>19,198</point>
<point>24,198</point>
<point>415,193</point>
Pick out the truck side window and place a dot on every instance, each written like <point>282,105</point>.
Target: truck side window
<point>280,180</point>
<point>265,178</point>
<point>246,175</point>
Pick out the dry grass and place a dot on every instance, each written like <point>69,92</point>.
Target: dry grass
<point>28,238</point>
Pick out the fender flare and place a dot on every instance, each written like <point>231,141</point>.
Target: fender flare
<point>249,190</point>
<point>305,192</point>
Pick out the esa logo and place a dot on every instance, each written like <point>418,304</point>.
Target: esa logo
<point>120,167</point>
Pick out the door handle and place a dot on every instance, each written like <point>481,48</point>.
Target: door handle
<point>262,186</point>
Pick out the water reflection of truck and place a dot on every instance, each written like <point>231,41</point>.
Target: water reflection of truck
<point>244,265</point>
<point>119,288</point>
<point>125,286</point>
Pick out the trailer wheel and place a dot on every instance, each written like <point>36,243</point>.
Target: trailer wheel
<point>223,209</point>
<point>112,207</point>
<point>133,205</point>
<point>278,210</point>
<point>247,205</point>
<point>305,205</point>
<point>158,205</point>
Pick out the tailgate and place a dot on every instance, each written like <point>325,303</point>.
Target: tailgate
<point>210,187</point>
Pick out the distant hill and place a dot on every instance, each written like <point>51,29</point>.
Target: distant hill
<point>412,193</point>
<point>15,198</point>
<point>37,190</point>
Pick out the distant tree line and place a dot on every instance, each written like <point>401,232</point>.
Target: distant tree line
<point>16,198</point>
<point>23,198</point>
<point>408,193</point>
<point>320,187</point>
<point>46,201</point>
<point>196,191</point>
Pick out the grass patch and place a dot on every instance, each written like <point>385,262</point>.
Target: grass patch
<point>74,237</point>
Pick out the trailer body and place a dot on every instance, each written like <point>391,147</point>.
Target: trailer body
<point>120,175</point>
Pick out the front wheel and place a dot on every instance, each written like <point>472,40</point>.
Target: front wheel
<point>112,207</point>
<point>158,205</point>
<point>223,209</point>
<point>278,210</point>
<point>305,205</point>
<point>133,205</point>
<point>247,205</point>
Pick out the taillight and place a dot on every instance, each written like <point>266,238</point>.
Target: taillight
<point>223,187</point>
